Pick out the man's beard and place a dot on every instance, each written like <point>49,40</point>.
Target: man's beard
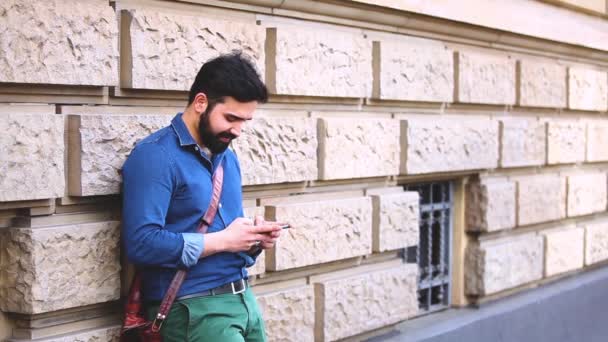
<point>210,140</point>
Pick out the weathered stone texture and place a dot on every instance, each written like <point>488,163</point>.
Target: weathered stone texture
<point>353,148</point>
<point>522,142</point>
<point>323,231</point>
<point>319,62</point>
<point>260,262</point>
<point>448,143</point>
<point>277,150</point>
<point>48,269</point>
<point>588,89</point>
<point>597,140</point>
<point>31,156</point>
<point>565,141</point>
<point>542,84</point>
<point>365,302</point>
<point>395,221</point>
<point>596,242</point>
<point>58,42</point>
<point>99,146</point>
<point>540,198</point>
<point>587,193</point>
<point>414,69</point>
<point>564,250</point>
<point>289,315</point>
<point>168,49</point>
<point>484,78</point>
<point>109,334</point>
<point>490,205</point>
<point>493,266</point>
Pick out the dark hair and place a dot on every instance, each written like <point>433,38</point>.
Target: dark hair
<point>231,75</point>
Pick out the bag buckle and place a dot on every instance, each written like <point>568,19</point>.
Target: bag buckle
<point>158,322</point>
<point>243,287</point>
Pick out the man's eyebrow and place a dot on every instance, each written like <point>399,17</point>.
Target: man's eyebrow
<point>236,116</point>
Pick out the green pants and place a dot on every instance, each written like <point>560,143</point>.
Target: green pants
<point>221,318</point>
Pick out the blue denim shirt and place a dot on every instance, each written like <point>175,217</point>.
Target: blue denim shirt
<point>167,186</point>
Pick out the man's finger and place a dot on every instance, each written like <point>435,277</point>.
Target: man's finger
<point>266,228</point>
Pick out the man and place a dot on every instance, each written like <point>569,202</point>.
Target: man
<point>167,187</point>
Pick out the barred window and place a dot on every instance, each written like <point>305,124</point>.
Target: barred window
<point>434,252</point>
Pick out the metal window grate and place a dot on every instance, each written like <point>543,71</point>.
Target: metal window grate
<point>434,252</point>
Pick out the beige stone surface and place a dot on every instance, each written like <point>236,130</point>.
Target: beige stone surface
<point>99,146</point>
<point>593,5</point>
<point>414,69</point>
<point>58,42</point>
<point>277,150</point>
<point>564,250</point>
<point>523,142</point>
<point>31,156</point>
<point>315,61</point>
<point>260,262</point>
<point>542,84</point>
<point>168,49</point>
<point>106,334</point>
<point>364,302</point>
<point>289,315</point>
<point>540,198</point>
<point>587,89</point>
<point>322,231</point>
<point>494,266</point>
<point>596,242</point>
<point>396,221</point>
<point>353,148</point>
<point>448,143</point>
<point>597,140</point>
<point>587,193</point>
<point>566,141</point>
<point>490,205</point>
<point>485,78</point>
<point>60,267</point>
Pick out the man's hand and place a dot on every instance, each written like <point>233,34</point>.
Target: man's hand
<point>271,238</point>
<point>241,235</point>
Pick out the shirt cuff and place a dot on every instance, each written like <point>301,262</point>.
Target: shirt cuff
<point>194,244</point>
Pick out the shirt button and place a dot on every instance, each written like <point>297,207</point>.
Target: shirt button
<point>220,205</point>
<point>196,148</point>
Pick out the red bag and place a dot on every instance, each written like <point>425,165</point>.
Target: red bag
<point>135,327</point>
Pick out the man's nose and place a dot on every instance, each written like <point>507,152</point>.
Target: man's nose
<point>236,130</point>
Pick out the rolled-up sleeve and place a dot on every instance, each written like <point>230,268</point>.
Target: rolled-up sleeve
<point>148,184</point>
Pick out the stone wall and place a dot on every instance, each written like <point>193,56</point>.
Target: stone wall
<point>362,103</point>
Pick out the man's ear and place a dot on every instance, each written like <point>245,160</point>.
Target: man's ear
<point>200,103</point>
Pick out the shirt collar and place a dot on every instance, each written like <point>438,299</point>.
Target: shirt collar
<point>179,126</point>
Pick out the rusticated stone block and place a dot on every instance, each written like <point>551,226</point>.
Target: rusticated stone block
<point>542,84</point>
<point>353,148</point>
<point>364,302</point>
<point>448,143</point>
<point>99,146</point>
<point>260,262</point>
<point>587,193</point>
<point>108,334</point>
<point>522,142</point>
<point>166,50</point>
<point>31,156</point>
<point>48,269</point>
<point>494,266</point>
<point>289,315</point>
<point>564,250</point>
<point>484,78</point>
<point>596,242</point>
<point>318,62</point>
<point>413,69</point>
<point>490,205</point>
<point>277,150</point>
<point>597,140</point>
<point>588,89</point>
<point>540,198</point>
<point>321,231</point>
<point>396,221</point>
<point>565,141</point>
<point>58,42</point>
